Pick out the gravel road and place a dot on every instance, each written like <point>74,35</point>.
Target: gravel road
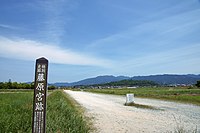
<point>111,116</point>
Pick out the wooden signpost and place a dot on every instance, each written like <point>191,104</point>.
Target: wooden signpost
<point>40,92</point>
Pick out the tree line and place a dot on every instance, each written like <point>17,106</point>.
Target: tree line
<point>16,85</point>
<point>198,83</point>
<point>140,83</point>
<point>130,83</point>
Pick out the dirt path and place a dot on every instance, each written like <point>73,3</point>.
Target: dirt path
<point>111,116</point>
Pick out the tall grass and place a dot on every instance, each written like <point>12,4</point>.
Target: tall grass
<point>15,112</point>
<point>62,114</point>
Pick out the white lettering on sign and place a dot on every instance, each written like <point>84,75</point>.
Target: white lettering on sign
<point>40,86</point>
<point>40,77</point>
<point>41,68</point>
<point>39,96</point>
<point>39,106</point>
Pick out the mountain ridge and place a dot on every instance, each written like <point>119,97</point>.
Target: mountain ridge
<point>167,79</point>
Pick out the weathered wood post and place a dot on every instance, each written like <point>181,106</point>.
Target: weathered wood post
<point>40,92</point>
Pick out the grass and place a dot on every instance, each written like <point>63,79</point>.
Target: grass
<point>15,112</point>
<point>167,93</point>
<point>63,116</point>
<point>15,90</point>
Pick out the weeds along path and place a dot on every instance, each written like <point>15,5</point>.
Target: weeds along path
<point>111,116</point>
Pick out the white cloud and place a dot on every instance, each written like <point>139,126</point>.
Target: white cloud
<point>30,50</point>
<point>180,60</point>
<point>56,18</point>
<point>154,31</point>
<point>8,27</point>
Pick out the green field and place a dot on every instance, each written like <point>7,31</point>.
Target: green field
<point>16,90</point>
<point>15,112</point>
<point>63,115</point>
<point>167,93</point>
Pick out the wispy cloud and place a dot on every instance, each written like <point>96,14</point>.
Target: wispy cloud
<point>30,50</point>
<point>175,55</point>
<point>185,59</point>
<point>5,26</point>
<point>154,35</point>
<point>56,18</point>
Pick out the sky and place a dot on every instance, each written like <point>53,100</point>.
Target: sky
<point>88,38</point>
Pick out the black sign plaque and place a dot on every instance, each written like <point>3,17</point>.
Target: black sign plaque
<point>39,99</point>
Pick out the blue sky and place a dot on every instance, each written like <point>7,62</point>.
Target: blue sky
<point>87,38</point>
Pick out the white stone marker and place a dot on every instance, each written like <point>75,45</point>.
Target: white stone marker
<point>129,98</point>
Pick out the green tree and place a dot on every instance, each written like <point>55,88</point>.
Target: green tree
<point>15,85</point>
<point>1,85</point>
<point>198,83</point>
<point>51,87</point>
<point>9,84</point>
<point>4,85</point>
<point>32,85</point>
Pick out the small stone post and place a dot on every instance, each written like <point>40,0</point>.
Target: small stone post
<point>129,99</point>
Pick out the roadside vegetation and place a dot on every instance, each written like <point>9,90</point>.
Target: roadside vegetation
<point>181,94</point>
<point>62,113</point>
<point>63,116</point>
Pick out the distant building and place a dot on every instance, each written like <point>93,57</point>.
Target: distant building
<point>132,87</point>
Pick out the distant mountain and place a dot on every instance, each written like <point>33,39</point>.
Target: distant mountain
<point>130,83</point>
<point>160,79</point>
<point>61,84</point>
<point>96,80</point>
<point>170,79</point>
<point>99,80</point>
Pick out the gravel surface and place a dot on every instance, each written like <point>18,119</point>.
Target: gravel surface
<point>111,116</point>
